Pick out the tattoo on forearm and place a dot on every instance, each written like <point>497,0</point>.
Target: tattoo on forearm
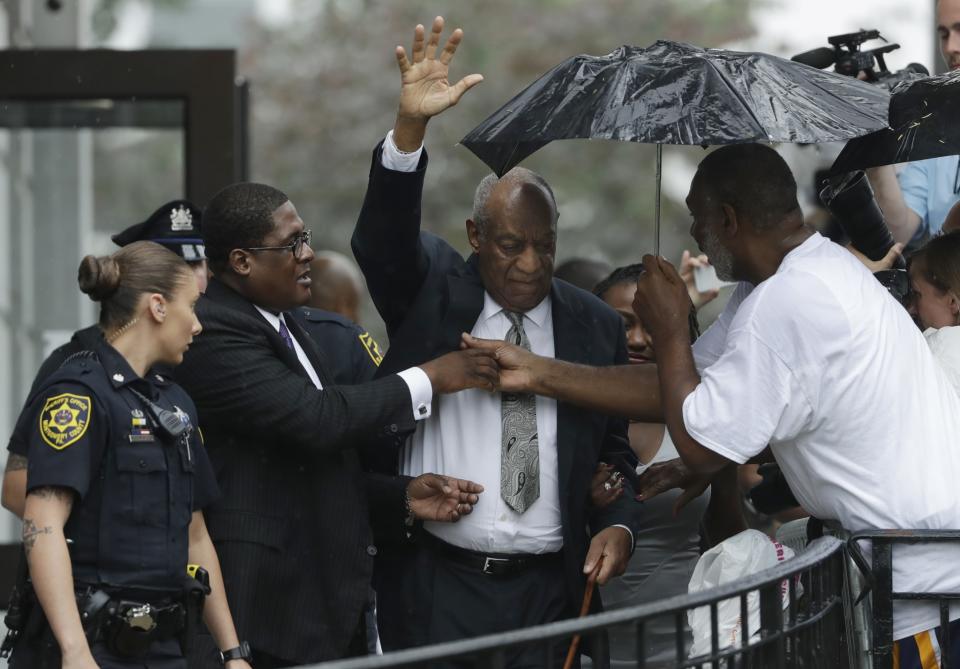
<point>31,531</point>
<point>16,462</point>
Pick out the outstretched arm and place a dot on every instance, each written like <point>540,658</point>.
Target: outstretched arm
<point>387,240</point>
<point>627,391</point>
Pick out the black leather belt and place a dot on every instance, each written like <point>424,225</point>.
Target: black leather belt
<point>493,564</point>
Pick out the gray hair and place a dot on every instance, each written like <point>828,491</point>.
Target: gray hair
<point>518,175</point>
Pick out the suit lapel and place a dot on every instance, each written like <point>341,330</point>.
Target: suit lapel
<point>311,348</point>
<point>219,292</point>
<point>465,292</point>
<point>571,337</point>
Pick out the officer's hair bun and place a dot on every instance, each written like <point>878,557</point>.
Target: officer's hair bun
<point>99,277</point>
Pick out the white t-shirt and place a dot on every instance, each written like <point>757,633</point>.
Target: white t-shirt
<point>945,345</point>
<point>820,362</point>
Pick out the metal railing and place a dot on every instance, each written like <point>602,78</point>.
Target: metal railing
<point>806,630</point>
<point>879,575</point>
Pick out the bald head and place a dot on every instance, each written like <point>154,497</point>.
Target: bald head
<point>514,235</point>
<point>517,183</point>
<point>337,284</point>
<point>754,180</point>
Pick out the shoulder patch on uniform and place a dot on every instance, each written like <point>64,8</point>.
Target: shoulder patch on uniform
<point>372,348</point>
<point>64,419</point>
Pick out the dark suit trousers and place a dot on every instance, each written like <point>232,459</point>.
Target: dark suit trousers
<point>441,600</point>
<point>204,652</point>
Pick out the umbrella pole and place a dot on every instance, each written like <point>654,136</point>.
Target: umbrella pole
<point>656,219</point>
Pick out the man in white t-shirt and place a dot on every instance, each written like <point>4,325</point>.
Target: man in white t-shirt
<point>811,356</point>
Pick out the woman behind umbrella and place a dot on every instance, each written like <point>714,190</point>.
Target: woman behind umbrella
<point>117,478</point>
<point>668,542</point>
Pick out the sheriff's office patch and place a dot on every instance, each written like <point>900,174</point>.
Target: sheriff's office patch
<point>373,349</point>
<point>64,420</point>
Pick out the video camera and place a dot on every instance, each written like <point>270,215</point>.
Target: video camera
<point>851,201</point>
<point>845,55</point>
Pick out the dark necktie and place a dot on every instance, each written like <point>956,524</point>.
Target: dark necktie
<point>285,335</point>
<point>519,453</point>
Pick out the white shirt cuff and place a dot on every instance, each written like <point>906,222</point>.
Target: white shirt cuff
<point>421,391</point>
<point>630,532</point>
<point>394,159</point>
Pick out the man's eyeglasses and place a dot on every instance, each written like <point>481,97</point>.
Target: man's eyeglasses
<point>295,246</point>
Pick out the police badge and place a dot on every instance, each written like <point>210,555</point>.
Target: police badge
<point>64,420</point>
<point>181,219</point>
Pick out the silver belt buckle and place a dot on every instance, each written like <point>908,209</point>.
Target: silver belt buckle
<point>141,617</point>
<point>489,561</point>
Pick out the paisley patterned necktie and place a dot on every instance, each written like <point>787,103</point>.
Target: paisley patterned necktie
<point>519,452</point>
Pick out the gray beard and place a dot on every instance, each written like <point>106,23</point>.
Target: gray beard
<point>720,258</point>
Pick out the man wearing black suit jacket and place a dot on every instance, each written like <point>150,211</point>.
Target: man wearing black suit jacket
<point>520,558</point>
<point>293,526</point>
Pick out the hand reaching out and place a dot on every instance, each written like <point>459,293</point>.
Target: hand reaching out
<point>662,476</point>
<point>517,367</point>
<point>442,498</point>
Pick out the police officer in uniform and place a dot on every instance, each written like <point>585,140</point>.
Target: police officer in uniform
<point>353,354</point>
<point>116,482</point>
<point>176,226</point>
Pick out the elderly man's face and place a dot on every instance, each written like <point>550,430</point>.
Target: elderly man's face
<point>948,31</point>
<point>707,227</point>
<point>517,246</point>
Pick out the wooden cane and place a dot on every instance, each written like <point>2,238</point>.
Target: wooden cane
<point>584,608</point>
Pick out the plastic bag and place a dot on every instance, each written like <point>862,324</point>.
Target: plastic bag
<point>741,555</point>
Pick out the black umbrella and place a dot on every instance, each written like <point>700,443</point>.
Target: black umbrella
<point>674,93</point>
<point>924,123</point>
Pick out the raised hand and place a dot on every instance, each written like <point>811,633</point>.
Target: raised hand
<point>661,302</point>
<point>425,89</point>
<point>442,498</point>
<point>688,265</point>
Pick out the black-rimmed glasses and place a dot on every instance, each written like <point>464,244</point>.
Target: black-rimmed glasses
<point>295,246</point>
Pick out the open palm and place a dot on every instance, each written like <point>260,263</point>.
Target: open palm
<point>425,89</point>
<point>442,498</point>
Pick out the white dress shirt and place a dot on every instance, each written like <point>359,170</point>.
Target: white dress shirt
<point>463,439</point>
<point>418,383</point>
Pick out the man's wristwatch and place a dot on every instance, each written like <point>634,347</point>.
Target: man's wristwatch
<point>241,652</point>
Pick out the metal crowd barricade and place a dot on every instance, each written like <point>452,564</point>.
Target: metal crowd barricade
<point>808,632</point>
<point>880,582</point>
